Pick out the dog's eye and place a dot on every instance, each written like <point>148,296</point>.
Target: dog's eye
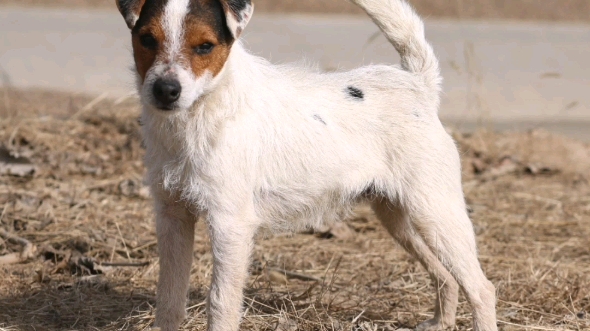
<point>148,41</point>
<point>204,49</point>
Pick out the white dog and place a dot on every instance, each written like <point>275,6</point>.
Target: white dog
<point>247,145</point>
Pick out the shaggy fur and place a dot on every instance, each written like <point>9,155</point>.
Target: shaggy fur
<point>286,148</point>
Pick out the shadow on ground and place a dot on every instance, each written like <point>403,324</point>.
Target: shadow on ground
<point>80,306</point>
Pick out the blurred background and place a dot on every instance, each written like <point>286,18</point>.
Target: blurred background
<point>507,64</point>
<point>568,10</point>
<point>77,244</point>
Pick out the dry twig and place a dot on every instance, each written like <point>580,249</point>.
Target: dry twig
<point>28,252</point>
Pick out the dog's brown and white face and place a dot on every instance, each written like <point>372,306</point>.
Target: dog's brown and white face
<point>180,46</point>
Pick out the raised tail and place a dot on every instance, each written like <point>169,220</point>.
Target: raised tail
<point>405,30</point>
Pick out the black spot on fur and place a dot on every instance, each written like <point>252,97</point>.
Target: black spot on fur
<point>319,119</point>
<point>355,93</point>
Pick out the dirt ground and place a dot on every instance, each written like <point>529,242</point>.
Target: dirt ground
<point>78,250</point>
<point>565,10</point>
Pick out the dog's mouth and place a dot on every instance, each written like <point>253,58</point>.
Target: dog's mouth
<point>167,108</point>
<point>160,107</point>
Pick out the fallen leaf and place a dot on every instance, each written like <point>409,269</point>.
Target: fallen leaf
<point>507,165</point>
<point>28,252</point>
<point>15,166</point>
<point>277,277</point>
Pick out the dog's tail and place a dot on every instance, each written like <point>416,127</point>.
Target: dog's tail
<point>405,30</point>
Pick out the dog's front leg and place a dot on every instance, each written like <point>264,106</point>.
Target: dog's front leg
<point>175,228</point>
<point>231,240</point>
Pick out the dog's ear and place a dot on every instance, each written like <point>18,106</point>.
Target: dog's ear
<point>237,15</point>
<point>130,10</point>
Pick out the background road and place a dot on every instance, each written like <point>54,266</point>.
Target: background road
<point>509,75</point>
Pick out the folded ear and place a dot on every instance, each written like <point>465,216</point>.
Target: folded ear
<point>130,10</point>
<point>237,14</point>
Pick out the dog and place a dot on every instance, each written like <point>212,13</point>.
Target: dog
<point>247,145</point>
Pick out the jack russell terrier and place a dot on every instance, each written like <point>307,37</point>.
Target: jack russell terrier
<point>248,145</point>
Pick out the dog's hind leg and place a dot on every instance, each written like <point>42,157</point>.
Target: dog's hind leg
<point>397,223</point>
<point>436,210</point>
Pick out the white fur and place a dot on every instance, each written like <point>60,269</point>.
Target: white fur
<point>173,20</point>
<point>287,148</point>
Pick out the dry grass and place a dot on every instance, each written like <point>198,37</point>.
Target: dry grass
<point>565,10</point>
<point>85,208</point>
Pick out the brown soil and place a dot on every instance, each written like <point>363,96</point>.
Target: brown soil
<point>564,10</point>
<point>85,207</point>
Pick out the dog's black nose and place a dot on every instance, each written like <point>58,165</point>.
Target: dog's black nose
<point>167,91</point>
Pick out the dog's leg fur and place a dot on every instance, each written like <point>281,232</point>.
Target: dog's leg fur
<point>433,199</point>
<point>398,224</point>
<point>435,209</point>
<point>232,238</point>
<point>175,228</point>
<point>448,232</point>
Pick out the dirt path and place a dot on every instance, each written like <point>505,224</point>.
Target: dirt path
<point>552,10</point>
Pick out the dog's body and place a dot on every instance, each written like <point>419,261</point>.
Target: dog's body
<point>249,145</point>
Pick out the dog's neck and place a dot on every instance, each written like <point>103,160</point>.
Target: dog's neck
<point>233,86</point>
<point>193,131</point>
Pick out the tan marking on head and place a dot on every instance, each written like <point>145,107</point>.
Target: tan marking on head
<point>144,57</point>
<point>197,33</point>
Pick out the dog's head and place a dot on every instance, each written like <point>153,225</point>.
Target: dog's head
<point>180,46</point>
